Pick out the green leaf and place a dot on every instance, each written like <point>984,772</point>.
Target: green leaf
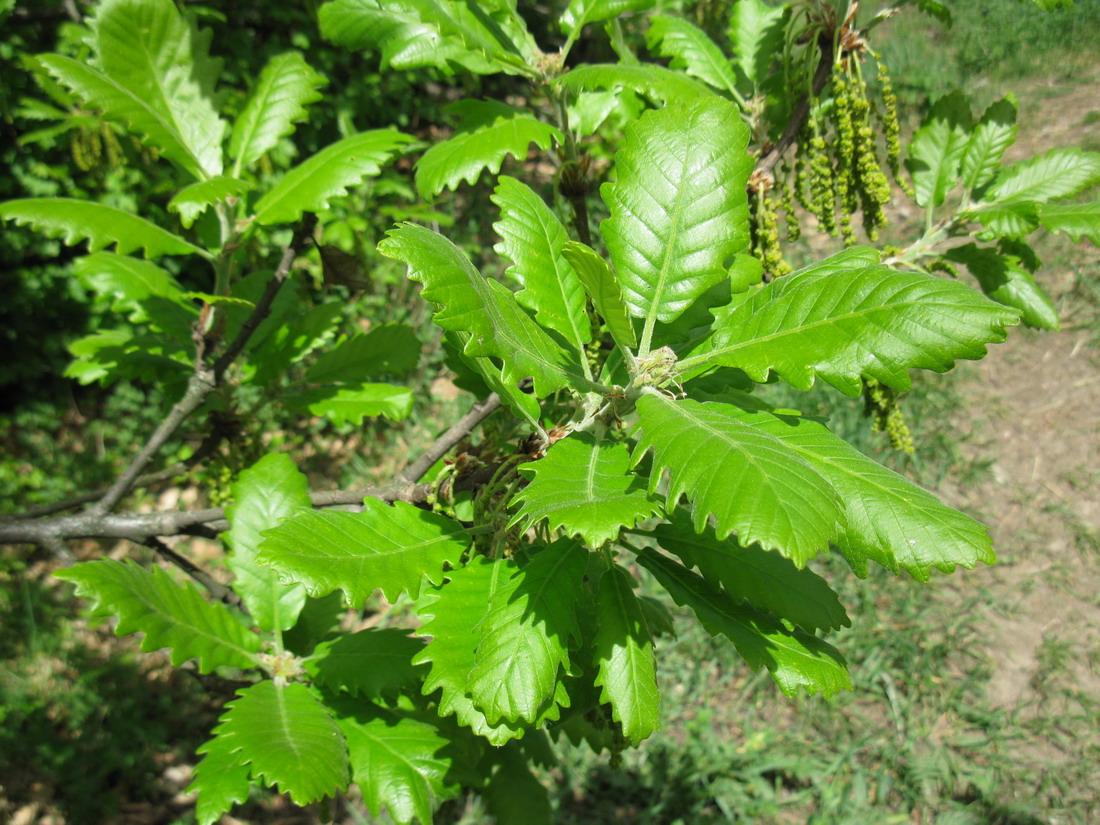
<point>584,486</point>
<point>152,63</point>
<point>840,325</point>
<point>1059,173</point>
<point>480,377</point>
<point>402,35</point>
<point>391,349</point>
<point>221,779</point>
<point>655,82</point>
<point>286,86</point>
<point>795,659</point>
<point>987,143</point>
<point>627,670</point>
<point>1004,279</point>
<point>579,13</point>
<point>487,132</point>
<point>599,282</point>
<point>691,50</point>
<point>1007,219</point>
<point>193,200</point>
<point>525,636</point>
<point>289,739</point>
<point>748,480</point>
<point>532,239</point>
<point>679,212</point>
<point>169,615</point>
<point>887,518</point>
<point>937,148</point>
<point>469,302</point>
<point>288,334</point>
<point>351,404</point>
<point>130,284</point>
<point>391,547</point>
<point>756,36</point>
<point>396,761</point>
<point>1077,220</point>
<point>75,220</point>
<point>514,796</point>
<point>267,492</point>
<point>766,580</point>
<point>449,614</point>
<point>373,663</point>
<point>328,174</point>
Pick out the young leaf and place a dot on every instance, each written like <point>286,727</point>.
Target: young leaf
<point>401,35</point>
<point>396,761</point>
<point>169,615</point>
<point>151,80</point>
<point>579,13</point>
<point>840,325</point>
<point>1003,278</point>
<point>748,480</point>
<point>584,486</point>
<point>286,86</point>
<point>1007,219</point>
<point>1077,220</point>
<point>887,518</point>
<point>351,404</point>
<point>193,200</point>
<point>267,492</point>
<point>373,663</point>
<point>756,35</point>
<point>525,636</point>
<point>387,547</point>
<point>986,145</point>
<point>794,659</point>
<point>679,212</point>
<point>766,580</point>
<point>655,82</point>
<point>600,284</point>
<point>691,50</point>
<point>289,739</point>
<point>469,302</point>
<point>309,185</point>
<point>75,220</point>
<point>1059,173</point>
<point>391,349</point>
<point>624,654</point>
<point>937,148</point>
<point>221,779</point>
<point>532,239</point>
<point>487,132</point>
<point>450,613</point>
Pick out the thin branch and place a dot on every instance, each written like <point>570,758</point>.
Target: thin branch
<point>205,378</point>
<point>771,158</point>
<point>214,587</point>
<point>458,431</point>
<point>207,448</point>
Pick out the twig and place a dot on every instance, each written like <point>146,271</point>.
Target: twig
<point>205,378</point>
<point>801,111</point>
<point>202,452</point>
<point>458,431</point>
<point>214,587</point>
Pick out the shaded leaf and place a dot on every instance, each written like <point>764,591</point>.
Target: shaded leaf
<point>488,131</point>
<point>170,615</point>
<point>373,663</point>
<point>193,200</point>
<point>1004,279</point>
<point>310,185</point>
<point>390,349</point>
<point>221,779</point>
<point>756,35</point>
<point>691,50</point>
<point>351,404</point>
<point>514,796</point>
<point>267,492</point>
<point>75,220</point>
<point>655,82</point>
<point>387,547</point>
<point>584,485</point>
<point>129,283</point>
<point>599,282</point>
<point>579,13</point>
<point>289,739</point>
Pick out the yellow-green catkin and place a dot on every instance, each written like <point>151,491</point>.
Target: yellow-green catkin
<point>944,266</point>
<point>882,404</point>
<point>766,247</point>
<point>874,188</point>
<point>845,154</point>
<point>891,126</point>
<point>822,194</point>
